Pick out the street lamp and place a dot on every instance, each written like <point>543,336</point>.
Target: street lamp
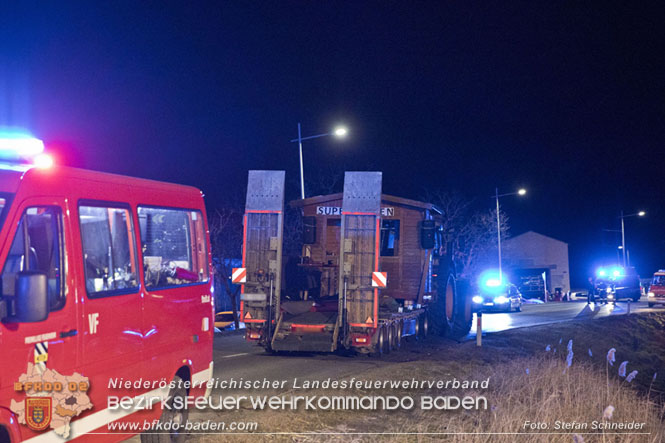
<point>623,232</point>
<point>519,192</point>
<point>339,132</point>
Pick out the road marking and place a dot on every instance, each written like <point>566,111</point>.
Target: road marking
<point>235,355</point>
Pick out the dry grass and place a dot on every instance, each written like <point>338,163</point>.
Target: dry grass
<point>550,392</point>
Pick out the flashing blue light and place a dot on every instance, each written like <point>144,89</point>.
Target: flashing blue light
<point>491,280</point>
<point>19,145</point>
<point>602,272</point>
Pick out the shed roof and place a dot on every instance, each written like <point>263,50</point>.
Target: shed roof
<point>384,198</point>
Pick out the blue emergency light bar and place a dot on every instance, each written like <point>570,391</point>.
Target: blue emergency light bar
<point>20,147</point>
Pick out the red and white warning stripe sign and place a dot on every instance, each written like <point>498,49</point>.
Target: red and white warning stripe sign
<point>379,279</point>
<point>239,275</point>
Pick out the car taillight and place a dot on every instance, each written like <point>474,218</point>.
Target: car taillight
<point>252,335</point>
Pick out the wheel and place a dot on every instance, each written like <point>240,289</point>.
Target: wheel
<point>171,417</point>
<point>379,348</point>
<point>424,325</point>
<point>398,335</point>
<point>443,309</point>
<point>389,338</point>
<point>463,315</point>
<point>636,299</point>
<point>518,308</point>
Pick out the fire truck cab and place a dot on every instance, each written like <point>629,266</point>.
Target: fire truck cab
<point>656,293</point>
<point>104,280</point>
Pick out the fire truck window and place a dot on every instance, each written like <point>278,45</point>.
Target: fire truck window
<point>389,238</point>
<point>37,246</point>
<point>109,254</point>
<point>173,245</point>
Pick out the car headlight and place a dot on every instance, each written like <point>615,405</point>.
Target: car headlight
<point>477,299</point>
<point>608,290</point>
<point>651,294</point>
<point>500,300</point>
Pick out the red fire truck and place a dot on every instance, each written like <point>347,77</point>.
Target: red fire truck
<point>106,293</point>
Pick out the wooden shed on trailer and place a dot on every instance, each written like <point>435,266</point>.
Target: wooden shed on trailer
<point>402,253</point>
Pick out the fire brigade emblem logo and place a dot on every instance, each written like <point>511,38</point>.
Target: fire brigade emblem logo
<point>38,415</point>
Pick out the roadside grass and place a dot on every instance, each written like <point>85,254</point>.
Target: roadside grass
<point>527,383</point>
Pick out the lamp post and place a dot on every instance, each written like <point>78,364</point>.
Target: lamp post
<point>498,223</point>
<point>623,232</point>
<point>339,132</point>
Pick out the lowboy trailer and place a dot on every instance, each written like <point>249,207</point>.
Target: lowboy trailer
<point>374,269</point>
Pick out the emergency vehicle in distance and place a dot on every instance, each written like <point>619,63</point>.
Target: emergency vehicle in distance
<point>106,280</point>
<point>656,294</point>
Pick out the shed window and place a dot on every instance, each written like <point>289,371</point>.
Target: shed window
<point>389,238</point>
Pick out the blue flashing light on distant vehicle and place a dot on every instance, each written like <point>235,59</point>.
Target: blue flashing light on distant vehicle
<point>495,292</point>
<point>617,283</point>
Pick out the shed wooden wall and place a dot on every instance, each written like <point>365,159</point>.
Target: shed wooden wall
<point>405,271</point>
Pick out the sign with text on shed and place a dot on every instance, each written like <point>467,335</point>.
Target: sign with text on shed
<point>337,210</point>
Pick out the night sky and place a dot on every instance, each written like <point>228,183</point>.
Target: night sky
<point>564,98</point>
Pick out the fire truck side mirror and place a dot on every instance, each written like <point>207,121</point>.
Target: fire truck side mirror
<point>427,230</point>
<point>31,297</point>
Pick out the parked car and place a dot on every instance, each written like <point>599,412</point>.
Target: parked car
<point>495,295</point>
<point>224,320</point>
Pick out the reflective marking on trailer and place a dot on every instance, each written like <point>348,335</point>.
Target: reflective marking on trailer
<point>205,324</point>
<point>105,416</point>
<point>235,355</point>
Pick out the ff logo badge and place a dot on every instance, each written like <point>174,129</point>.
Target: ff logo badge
<point>38,410</point>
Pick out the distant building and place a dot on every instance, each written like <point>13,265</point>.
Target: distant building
<point>537,262</point>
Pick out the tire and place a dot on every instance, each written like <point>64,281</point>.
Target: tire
<point>636,299</point>
<point>389,338</point>
<point>424,325</point>
<point>518,308</point>
<point>171,416</point>
<point>398,335</point>
<point>463,316</point>
<point>442,311</point>
<point>379,348</point>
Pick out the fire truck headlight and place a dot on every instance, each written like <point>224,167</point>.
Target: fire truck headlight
<point>651,294</point>
<point>477,299</point>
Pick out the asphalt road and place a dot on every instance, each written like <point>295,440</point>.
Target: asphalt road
<point>236,358</point>
<point>540,314</point>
